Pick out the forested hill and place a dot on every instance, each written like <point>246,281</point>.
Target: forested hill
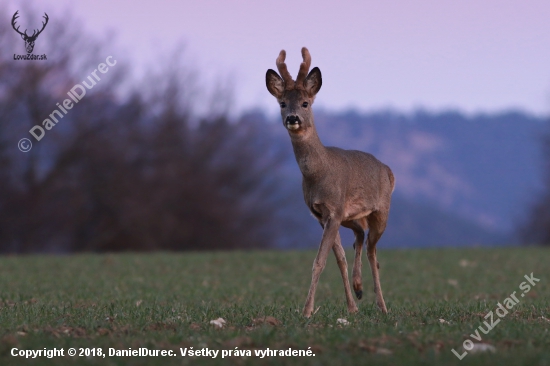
<point>461,180</point>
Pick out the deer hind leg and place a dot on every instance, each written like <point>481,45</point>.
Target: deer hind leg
<point>377,225</point>
<point>330,231</point>
<point>343,265</point>
<point>358,226</point>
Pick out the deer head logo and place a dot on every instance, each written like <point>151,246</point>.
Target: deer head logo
<point>29,40</point>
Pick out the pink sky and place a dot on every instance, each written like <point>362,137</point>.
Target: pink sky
<point>478,56</point>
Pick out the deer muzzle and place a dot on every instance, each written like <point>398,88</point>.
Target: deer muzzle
<point>292,122</point>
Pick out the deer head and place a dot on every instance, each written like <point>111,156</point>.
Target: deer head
<point>29,40</point>
<point>295,97</point>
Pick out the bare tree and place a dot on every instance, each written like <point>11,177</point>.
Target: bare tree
<point>137,172</point>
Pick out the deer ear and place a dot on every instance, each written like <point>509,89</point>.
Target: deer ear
<point>313,82</point>
<point>275,85</point>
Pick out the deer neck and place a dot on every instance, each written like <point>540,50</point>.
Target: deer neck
<point>310,153</point>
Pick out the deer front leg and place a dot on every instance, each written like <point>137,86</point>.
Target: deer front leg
<point>343,265</point>
<point>329,236</point>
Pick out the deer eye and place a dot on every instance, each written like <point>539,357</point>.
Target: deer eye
<point>283,104</point>
<point>305,104</point>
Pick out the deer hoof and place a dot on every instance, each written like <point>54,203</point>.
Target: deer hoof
<point>359,294</point>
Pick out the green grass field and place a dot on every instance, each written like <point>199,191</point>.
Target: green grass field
<point>436,299</point>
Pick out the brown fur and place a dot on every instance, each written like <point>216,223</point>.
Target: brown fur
<point>341,187</point>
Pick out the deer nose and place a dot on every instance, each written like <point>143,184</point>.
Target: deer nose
<point>292,119</point>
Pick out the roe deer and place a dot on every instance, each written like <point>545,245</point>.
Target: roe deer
<point>341,187</point>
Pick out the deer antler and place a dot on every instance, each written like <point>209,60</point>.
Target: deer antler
<point>34,34</point>
<point>13,19</point>
<point>281,66</point>
<point>43,26</point>
<point>304,68</point>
